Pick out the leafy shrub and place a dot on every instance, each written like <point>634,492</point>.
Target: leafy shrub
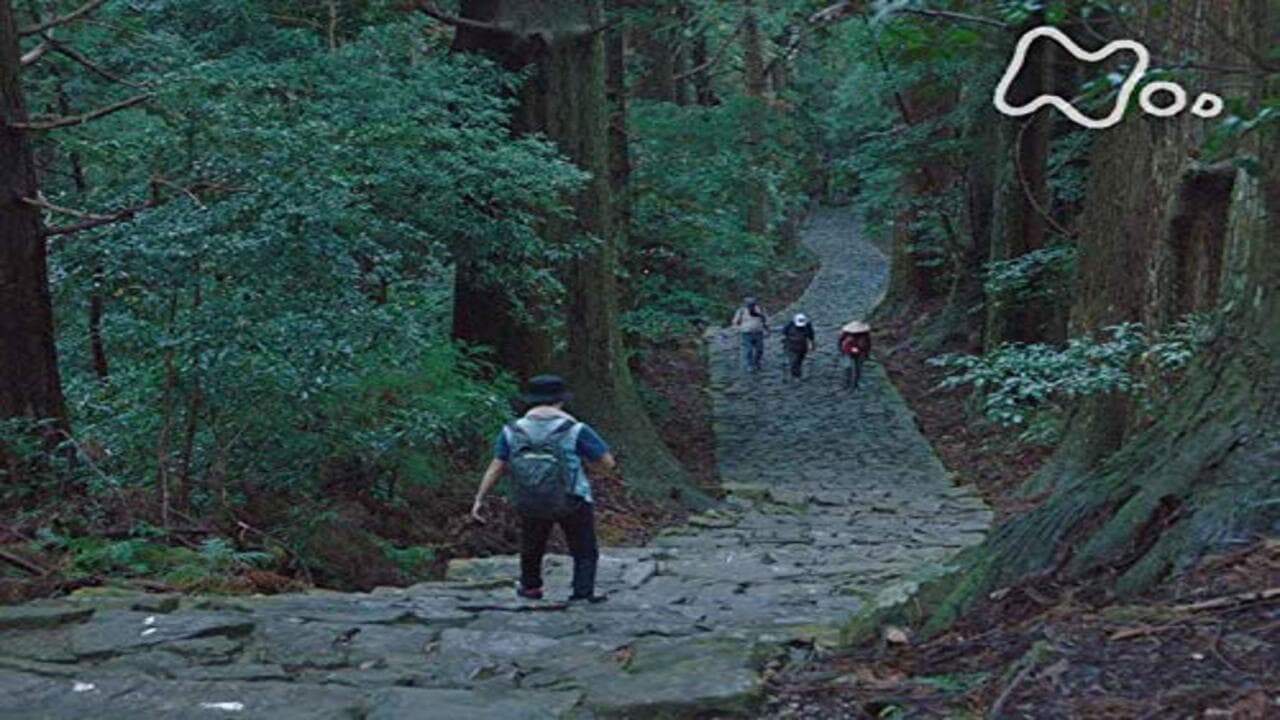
<point>1044,273</point>
<point>1027,386</point>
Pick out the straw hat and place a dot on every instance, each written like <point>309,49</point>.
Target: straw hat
<point>855,327</point>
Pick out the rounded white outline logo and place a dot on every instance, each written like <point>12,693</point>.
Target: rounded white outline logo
<point>1207,105</point>
<point>1179,99</point>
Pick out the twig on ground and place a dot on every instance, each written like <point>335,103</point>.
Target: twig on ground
<point>1216,646</point>
<point>997,708</point>
<point>24,564</point>
<point>1230,600</point>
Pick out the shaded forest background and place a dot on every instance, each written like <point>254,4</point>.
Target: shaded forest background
<point>299,254</point>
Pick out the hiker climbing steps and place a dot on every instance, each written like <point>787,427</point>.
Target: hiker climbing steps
<point>834,502</point>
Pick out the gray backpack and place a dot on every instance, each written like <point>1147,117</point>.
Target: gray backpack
<point>541,471</point>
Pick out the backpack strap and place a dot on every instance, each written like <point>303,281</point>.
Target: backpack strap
<point>511,430</point>
<point>565,428</point>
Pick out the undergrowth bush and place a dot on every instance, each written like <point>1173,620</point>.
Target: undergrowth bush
<point>1029,386</point>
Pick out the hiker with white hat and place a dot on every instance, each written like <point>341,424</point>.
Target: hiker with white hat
<point>798,340</point>
<point>855,345</point>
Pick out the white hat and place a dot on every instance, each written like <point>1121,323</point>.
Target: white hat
<point>856,327</point>
<point>800,320</point>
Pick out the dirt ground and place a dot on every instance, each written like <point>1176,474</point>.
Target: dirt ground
<point>979,453</point>
<point>1208,647</point>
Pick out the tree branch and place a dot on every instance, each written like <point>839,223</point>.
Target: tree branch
<point>93,67</point>
<point>90,220</point>
<point>34,54</point>
<point>62,19</point>
<point>715,57</point>
<point>959,17</point>
<point>331,30</point>
<point>839,10</point>
<point>290,20</point>
<point>24,564</point>
<point>40,202</point>
<point>1040,210</point>
<point>61,122</point>
<point>833,12</point>
<point>93,221</point>
<point>430,10</point>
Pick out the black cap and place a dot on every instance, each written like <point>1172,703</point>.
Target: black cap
<point>546,390</point>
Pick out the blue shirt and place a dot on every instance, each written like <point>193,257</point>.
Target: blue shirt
<point>588,446</point>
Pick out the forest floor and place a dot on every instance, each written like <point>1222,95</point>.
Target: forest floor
<point>1206,646</point>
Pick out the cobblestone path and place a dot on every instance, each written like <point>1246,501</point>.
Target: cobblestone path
<point>835,501</point>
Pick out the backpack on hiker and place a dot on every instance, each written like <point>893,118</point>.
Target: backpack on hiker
<point>795,339</point>
<point>541,470</point>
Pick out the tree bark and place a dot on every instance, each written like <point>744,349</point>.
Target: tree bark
<point>703,90</point>
<point>30,386</point>
<point>756,87</point>
<point>485,314</point>
<point>656,46</point>
<point>1021,202</point>
<point>619,145</point>
<point>566,99</point>
<point>910,278</point>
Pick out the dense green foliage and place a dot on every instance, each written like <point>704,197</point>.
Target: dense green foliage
<point>1030,387</point>
<point>691,254</point>
<point>265,342</point>
<point>281,322</point>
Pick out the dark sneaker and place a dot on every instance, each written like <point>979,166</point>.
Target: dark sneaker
<point>593,599</point>
<point>528,593</point>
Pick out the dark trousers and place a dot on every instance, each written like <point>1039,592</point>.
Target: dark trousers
<point>853,371</point>
<point>752,350</point>
<point>579,528</point>
<point>797,361</point>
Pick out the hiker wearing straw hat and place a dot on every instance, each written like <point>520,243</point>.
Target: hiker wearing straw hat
<point>798,340</point>
<point>855,345</point>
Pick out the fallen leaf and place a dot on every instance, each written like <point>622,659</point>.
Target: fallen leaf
<point>624,655</point>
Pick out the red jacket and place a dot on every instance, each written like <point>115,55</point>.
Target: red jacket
<point>855,344</point>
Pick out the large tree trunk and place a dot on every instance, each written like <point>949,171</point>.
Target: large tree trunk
<point>1134,499</point>
<point>703,90</point>
<point>485,315</point>
<point>656,45</point>
<point>29,383</point>
<point>911,278</point>
<point>566,99</point>
<point>757,85</point>
<point>1022,204</point>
